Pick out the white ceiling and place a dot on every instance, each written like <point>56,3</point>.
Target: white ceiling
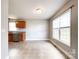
<point>25,8</point>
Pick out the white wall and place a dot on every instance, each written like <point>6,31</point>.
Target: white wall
<point>36,30</point>
<point>4,29</point>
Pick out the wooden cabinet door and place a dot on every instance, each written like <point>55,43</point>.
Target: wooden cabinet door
<point>20,24</point>
<point>21,36</point>
<point>10,36</point>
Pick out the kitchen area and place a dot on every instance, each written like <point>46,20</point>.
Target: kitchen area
<point>16,30</point>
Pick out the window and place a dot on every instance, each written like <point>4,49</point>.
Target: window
<point>61,28</point>
<point>12,26</point>
<point>56,29</point>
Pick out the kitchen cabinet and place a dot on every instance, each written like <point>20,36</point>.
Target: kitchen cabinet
<point>10,37</point>
<point>20,24</point>
<point>16,36</point>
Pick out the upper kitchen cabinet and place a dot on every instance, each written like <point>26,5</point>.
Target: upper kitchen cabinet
<point>21,24</point>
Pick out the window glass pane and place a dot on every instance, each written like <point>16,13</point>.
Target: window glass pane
<point>61,28</point>
<point>56,23</point>
<point>65,36</point>
<point>12,26</point>
<point>56,34</point>
<point>65,19</point>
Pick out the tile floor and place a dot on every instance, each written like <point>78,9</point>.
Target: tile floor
<point>34,50</point>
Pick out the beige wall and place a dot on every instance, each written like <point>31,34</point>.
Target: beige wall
<point>74,29</point>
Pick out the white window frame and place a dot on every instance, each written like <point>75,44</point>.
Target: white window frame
<point>63,28</point>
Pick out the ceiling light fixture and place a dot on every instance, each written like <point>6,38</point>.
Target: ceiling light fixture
<point>38,11</point>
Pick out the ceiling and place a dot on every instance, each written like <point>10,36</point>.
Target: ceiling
<point>26,8</point>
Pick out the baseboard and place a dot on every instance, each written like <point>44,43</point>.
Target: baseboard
<point>62,50</point>
<point>35,39</point>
